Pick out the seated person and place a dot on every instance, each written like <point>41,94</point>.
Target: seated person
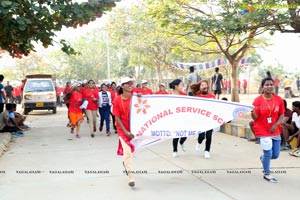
<point>288,115</point>
<point>292,130</point>
<point>19,119</point>
<point>5,123</point>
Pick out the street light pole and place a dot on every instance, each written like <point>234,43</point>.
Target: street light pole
<point>107,57</point>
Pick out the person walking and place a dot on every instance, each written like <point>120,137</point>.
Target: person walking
<point>217,83</point>
<point>201,89</point>
<point>177,87</point>
<point>245,85</point>
<point>104,106</point>
<point>114,94</point>
<point>276,84</point>
<point>121,111</point>
<point>9,92</point>
<point>92,96</point>
<point>75,109</point>
<point>192,78</point>
<point>268,114</point>
<point>3,98</point>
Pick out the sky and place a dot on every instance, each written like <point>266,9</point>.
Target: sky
<point>283,48</point>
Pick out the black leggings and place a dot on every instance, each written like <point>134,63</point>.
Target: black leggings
<point>208,136</point>
<point>175,143</point>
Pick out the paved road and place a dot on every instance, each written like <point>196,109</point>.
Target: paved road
<point>49,163</point>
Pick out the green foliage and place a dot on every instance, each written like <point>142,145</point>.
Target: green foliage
<point>24,22</point>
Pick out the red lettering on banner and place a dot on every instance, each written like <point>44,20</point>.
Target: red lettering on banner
<point>153,120</point>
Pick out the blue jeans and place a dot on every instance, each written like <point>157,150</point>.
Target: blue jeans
<point>104,116</point>
<point>270,154</point>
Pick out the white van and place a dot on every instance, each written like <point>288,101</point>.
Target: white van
<point>39,93</point>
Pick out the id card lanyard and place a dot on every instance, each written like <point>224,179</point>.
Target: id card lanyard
<point>269,119</point>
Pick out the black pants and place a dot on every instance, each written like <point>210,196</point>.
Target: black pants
<point>1,107</point>
<point>113,121</point>
<point>208,136</point>
<point>175,143</point>
<point>9,129</point>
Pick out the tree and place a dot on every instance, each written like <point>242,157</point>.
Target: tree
<point>143,41</point>
<point>226,27</point>
<point>22,23</point>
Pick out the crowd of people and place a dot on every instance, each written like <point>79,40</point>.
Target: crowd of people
<point>10,120</point>
<point>273,124</point>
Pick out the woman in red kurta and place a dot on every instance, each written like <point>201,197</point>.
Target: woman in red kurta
<point>268,114</point>
<point>91,95</point>
<point>201,89</point>
<point>121,111</point>
<point>74,111</point>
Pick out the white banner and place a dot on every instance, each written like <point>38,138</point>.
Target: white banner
<point>155,118</point>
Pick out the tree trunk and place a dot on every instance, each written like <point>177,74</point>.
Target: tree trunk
<point>159,72</point>
<point>234,86</point>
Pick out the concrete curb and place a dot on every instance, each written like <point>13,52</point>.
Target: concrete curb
<point>238,130</point>
<point>5,138</point>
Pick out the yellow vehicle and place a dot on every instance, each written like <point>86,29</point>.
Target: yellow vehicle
<point>39,93</point>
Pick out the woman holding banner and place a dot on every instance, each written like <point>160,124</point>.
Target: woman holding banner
<point>121,111</point>
<point>177,87</point>
<point>268,114</point>
<point>200,89</point>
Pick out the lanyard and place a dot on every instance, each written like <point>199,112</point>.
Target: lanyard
<point>126,113</point>
<point>273,105</point>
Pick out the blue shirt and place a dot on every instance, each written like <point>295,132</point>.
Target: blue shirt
<point>1,89</point>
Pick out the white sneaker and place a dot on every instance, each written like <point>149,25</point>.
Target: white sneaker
<point>183,147</point>
<point>197,147</point>
<point>175,154</point>
<point>206,155</point>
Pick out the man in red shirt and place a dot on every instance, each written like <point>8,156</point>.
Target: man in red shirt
<point>200,89</point>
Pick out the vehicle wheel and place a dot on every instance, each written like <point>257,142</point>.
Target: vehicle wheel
<point>26,111</point>
<point>54,110</point>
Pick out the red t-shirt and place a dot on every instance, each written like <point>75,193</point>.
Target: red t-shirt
<point>145,91</point>
<point>121,109</point>
<point>75,102</point>
<point>89,94</point>
<point>182,93</point>
<point>67,90</point>
<point>17,91</point>
<point>114,94</point>
<point>161,92</point>
<point>208,96</point>
<point>264,109</point>
<point>245,83</point>
<point>276,82</point>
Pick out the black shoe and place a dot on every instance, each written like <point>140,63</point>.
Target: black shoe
<point>131,183</point>
<point>92,135</point>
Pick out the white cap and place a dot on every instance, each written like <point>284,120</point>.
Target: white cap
<point>161,84</point>
<point>144,81</point>
<point>125,80</point>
